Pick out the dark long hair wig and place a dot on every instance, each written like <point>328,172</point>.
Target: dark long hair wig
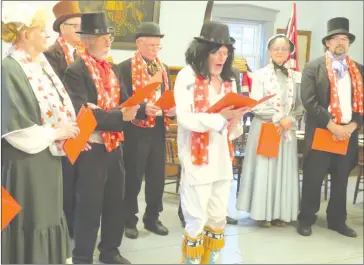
<point>197,56</point>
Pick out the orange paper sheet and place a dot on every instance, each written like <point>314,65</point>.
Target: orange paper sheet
<point>140,95</point>
<point>323,141</point>
<point>269,141</point>
<point>236,100</point>
<point>9,208</point>
<point>87,123</point>
<point>166,101</point>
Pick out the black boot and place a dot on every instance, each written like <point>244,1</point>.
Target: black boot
<point>156,227</point>
<point>344,230</point>
<point>304,230</point>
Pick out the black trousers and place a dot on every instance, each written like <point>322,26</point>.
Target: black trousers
<point>100,193</point>
<point>144,155</point>
<point>316,166</point>
<point>69,192</point>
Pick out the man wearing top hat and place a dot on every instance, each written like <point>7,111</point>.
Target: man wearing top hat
<point>68,20</point>
<point>332,93</point>
<point>144,146</point>
<point>60,55</point>
<point>94,82</point>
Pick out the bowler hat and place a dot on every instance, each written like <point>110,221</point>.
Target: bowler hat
<point>336,26</point>
<point>215,32</point>
<point>95,24</point>
<point>148,29</point>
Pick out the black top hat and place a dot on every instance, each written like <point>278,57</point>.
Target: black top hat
<point>215,32</point>
<point>95,24</point>
<point>148,29</point>
<point>338,25</point>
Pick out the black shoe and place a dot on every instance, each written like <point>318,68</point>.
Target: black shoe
<point>304,230</point>
<point>344,230</point>
<point>156,227</point>
<point>231,221</point>
<point>131,233</point>
<point>117,259</point>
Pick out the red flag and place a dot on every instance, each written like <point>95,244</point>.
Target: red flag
<point>291,33</point>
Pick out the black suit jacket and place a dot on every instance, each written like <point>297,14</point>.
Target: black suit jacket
<point>56,59</point>
<point>82,90</point>
<point>315,95</point>
<point>125,70</point>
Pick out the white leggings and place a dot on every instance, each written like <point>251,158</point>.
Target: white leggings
<point>205,205</point>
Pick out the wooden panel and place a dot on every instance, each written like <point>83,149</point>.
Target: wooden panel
<point>173,70</point>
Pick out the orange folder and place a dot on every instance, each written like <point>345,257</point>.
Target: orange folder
<point>9,208</point>
<point>87,123</point>
<point>323,141</point>
<point>140,95</point>
<point>166,101</point>
<point>236,100</point>
<point>269,141</point>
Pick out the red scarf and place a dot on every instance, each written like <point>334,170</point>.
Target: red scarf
<point>200,141</point>
<point>67,53</point>
<point>108,91</point>
<point>357,86</point>
<point>140,78</point>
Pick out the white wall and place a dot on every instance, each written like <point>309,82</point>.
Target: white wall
<point>180,21</point>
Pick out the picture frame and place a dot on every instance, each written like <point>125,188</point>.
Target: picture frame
<point>304,45</point>
<point>124,17</point>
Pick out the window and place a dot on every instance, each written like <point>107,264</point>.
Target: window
<point>248,37</point>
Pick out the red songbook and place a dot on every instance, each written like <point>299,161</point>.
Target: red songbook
<point>236,100</point>
<point>323,141</point>
<point>269,141</point>
<point>140,95</point>
<point>9,208</point>
<point>87,123</point>
<point>166,101</point>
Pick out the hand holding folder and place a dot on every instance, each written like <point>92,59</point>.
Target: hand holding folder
<point>269,141</point>
<point>141,94</point>
<point>166,101</point>
<point>236,100</point>
<point>87,123</point>
<point>323,141</point>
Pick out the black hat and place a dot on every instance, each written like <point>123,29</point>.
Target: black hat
<point>95,24</point>
<point>215,32</point>
<point>338,25</point>
<point>148,29</point>
<point>291,45</point>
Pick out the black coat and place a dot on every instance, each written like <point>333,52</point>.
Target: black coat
<point>56,59</point>
<point>315,95</point>
<point>82,90</point>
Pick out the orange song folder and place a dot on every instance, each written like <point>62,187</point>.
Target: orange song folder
<point>236,100</point>
<point>269,141</point>
<point>140,95</point>
<point>87,123</point>
<point>323,141</point>
<point>166,101</point>
<point>9,208</point>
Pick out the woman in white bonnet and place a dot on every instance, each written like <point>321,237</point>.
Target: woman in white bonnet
<point>270,186</point>
<point>38,117</point>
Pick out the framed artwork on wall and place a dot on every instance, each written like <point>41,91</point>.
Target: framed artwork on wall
<point>124,17</point>
<point>304,46</point>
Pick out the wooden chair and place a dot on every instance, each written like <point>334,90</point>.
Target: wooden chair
<point>239,155</point>
<point>360,177</point>
<point>173,167</point>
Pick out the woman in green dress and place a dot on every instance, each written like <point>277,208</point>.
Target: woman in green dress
<point>38,117</point>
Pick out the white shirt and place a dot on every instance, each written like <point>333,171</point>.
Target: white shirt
<point>219,166</point>
<point>344,93</point>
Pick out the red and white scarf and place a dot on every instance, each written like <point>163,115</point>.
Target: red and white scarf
<point>200,141</point>
<point>67,52</point>
<point>140,78</point>
<point>108,93</point>
<point>357,86</point>
<point>55,105</point>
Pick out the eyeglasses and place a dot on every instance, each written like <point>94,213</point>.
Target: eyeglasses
<point>223,54</point>
<point>280,49</point>
<point>337,39</point>
<point>75,26</point>
<point>153,46</point>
